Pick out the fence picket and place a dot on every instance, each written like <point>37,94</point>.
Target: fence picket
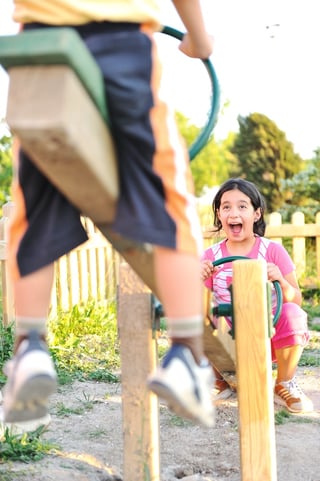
<point>299,245</point>
<point>318,246</point>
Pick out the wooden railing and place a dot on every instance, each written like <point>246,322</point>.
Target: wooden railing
<point>91,270</point>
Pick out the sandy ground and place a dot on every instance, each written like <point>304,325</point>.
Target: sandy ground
<point>86,424</point>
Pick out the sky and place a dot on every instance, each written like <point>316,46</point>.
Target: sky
<point>266,59</point>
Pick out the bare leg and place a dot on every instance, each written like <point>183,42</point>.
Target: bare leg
<point>33,293</point>
<point>32,299</point>
<point>181,291</point>
<point>287,359</point>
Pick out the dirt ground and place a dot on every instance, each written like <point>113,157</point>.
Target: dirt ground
<point>86,424</point>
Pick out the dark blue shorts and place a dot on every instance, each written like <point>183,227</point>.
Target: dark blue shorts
<point>156,203</point>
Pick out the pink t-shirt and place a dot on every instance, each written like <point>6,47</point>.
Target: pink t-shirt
<point>263,249</point>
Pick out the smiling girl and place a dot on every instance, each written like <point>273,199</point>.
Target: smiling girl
<point>238,209</point>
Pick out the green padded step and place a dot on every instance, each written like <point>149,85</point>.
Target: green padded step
<point>56,46</point>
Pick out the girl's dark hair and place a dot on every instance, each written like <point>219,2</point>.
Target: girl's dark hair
<point>249,189</point>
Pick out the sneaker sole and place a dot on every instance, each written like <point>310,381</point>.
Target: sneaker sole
<point>30,400</point>
<point>223,395</point>
<point>20,428</point>
<point>278,400</point>
<point>176,405</point>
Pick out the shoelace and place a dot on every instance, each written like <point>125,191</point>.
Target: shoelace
<point>293,388</point>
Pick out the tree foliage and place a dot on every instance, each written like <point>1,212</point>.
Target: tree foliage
<point>302,191</point>
<point>5,169</point>
<point>212,165</point>
<point>265,157</point>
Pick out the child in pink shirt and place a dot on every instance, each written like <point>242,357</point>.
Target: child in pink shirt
<point>238,209</point>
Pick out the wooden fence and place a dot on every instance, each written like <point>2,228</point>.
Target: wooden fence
<point>91,271</point>
<point>87,272</point>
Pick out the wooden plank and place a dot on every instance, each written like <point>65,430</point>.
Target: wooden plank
<point>56,46</point>
<point>254,372</point>
<point>138,350</point>
<point>220,354</point>
<point>219,347</point>
<point>62,131</point>
<point>138,256</point>
<point>290,230</point>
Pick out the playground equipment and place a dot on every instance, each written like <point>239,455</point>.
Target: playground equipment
<point>63,144</point>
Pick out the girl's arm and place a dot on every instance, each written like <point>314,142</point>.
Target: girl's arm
<point>288,283</point>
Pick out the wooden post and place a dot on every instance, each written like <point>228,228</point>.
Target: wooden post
<point>299,245</point>
<point>138,359</point>
<point>318,245</point>
<point>254,371</point>
<point>8,309</point>
<point>275,220</point>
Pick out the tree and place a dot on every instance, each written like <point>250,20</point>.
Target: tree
<point>265,157</point>
<point>302,191</point>
<point>211,166</point>
<point>5,168</point>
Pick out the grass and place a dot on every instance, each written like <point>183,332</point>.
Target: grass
<point>6,347</point>
<point>84,343</point>
<point>283,417</point>
<point>26,448</point>
<point>311,304</point>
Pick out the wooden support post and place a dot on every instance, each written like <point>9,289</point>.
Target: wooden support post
<point>254,371</point>
<point>138,358</point>
<point>8,309</point>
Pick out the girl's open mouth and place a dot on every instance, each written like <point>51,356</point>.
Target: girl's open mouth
<point>235,228</point>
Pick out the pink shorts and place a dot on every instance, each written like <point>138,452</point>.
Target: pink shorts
<point>291,328</point>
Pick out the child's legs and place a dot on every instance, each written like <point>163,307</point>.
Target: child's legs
<point>179,280</point>
<point>180,287</point>
<point>287,362</point>
<point>44,226</point>
<point>289,340</point>
<point>33,293</point>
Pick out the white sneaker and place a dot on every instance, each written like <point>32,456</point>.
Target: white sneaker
<point>291,396</point>
<point>222,390</point>
<point>31,380</point>
<point>185,386</point>
<point>20,428</point>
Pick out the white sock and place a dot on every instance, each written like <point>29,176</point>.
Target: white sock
<point>185,326</point>
<point>26,324</point>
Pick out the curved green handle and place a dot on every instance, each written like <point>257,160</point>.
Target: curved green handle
<point>276,284</point>
<point>205,133</point>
